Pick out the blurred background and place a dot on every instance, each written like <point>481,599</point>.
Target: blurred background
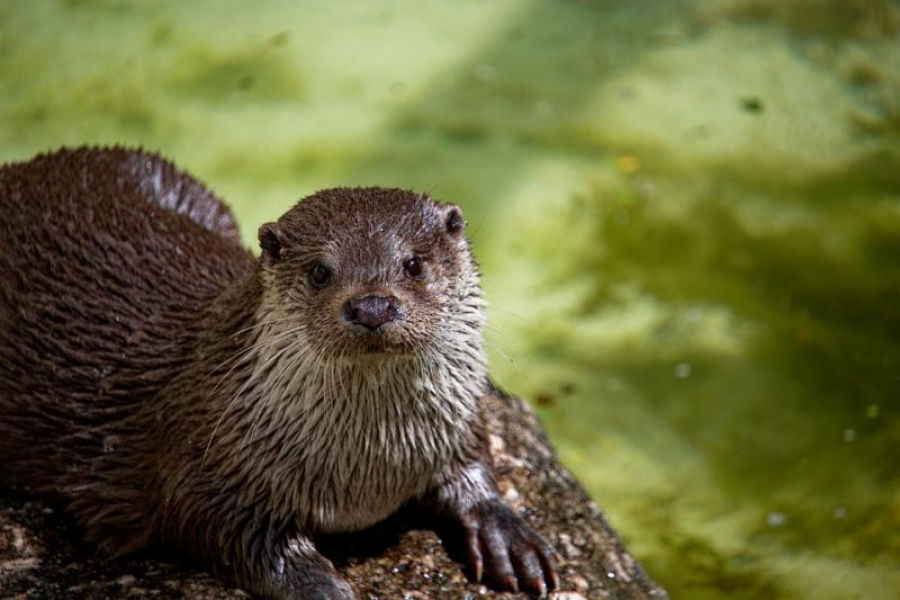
<point>687,212</point>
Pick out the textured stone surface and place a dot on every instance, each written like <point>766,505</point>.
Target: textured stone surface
<point>40,556</point>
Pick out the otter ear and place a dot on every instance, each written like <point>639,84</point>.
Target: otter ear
<point>454,221</point>
<point>270,241</point>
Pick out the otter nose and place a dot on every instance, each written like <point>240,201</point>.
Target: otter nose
<point>371,311</point>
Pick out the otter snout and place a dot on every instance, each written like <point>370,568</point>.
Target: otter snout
<point>371,311</point>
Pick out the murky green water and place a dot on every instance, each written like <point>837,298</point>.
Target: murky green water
<point>688,215</point>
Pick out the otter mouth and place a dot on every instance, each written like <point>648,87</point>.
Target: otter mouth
<point>375,322</point>
<point>379,345</point>
<point>373,347</point>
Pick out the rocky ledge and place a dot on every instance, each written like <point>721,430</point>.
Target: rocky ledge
<point>40,556</point>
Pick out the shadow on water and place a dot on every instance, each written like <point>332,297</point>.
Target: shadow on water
<point>527,86</point>
<point>798,423</point>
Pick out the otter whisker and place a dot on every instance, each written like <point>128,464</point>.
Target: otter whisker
<point>234,399</point>
<point>273,386</point>
<point>265,341</point>
<point>251,348</point>
<point>263,324</point>
<point>521,318</point>
<point>502,352</point>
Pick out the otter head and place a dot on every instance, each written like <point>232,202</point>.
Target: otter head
<point>372,271</point>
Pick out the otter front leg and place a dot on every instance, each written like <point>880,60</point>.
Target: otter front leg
<point>498,541</point>
<point>294,570</point>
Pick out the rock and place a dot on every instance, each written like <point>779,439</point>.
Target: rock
<point>40,556</point>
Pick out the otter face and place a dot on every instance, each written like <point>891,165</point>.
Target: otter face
<point>372,270</point>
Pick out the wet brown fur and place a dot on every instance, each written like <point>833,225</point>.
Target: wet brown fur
<point>111,263</point>
<point>168,388</point>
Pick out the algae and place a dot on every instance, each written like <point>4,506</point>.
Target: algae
<point>688,217</point>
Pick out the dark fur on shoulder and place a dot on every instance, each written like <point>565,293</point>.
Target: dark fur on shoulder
<point>167,388</point>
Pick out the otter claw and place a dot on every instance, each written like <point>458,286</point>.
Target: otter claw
<point>512,553</point>
<point>476,562</point>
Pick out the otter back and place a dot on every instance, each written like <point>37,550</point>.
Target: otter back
<point>108,259</point>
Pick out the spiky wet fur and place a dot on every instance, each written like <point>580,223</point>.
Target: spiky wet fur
<point>296,400</point>
<point>166,388</point>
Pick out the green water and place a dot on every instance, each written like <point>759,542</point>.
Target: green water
<point>688,215</point>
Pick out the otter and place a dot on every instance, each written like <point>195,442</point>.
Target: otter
<point>169,390</point>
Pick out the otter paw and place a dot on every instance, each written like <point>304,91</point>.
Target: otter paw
<point>511,553</point>
<point>304,574</point>
<point>335,589</point>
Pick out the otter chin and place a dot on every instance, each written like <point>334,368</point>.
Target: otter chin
<point>168,389</point>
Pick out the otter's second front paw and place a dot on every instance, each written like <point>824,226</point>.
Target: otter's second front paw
<point>316,586</point>
<point>304,574</point>
<point>512,554</point>
<point>337,589</point>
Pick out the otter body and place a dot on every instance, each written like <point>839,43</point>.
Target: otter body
<point>169,389</point>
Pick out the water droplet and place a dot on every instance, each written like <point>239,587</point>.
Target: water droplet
<point>683,371</point>
<point>849,435</point>
<point>694,314</point>
<point>840,513</point>
<point>543,108</point>
<point>611,575</point>
<point>485,72</point>
<point>776,519</point>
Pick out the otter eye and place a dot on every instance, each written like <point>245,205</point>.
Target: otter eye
<point>320,275</point>
<point>413,267</point>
